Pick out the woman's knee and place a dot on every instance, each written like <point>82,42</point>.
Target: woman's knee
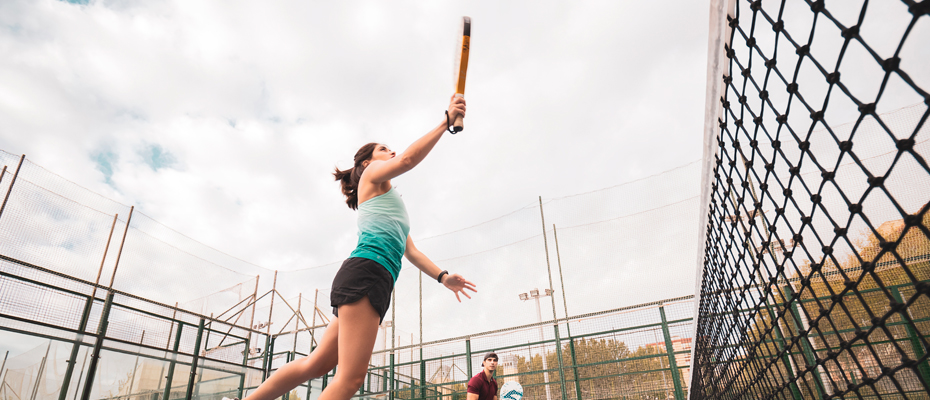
<point>354,379</point>
<point>315,368</point>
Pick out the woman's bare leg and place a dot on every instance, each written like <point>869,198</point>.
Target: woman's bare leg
<point>358,328</point>
<point>322,360</point>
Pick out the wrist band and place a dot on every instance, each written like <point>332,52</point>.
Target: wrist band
<point>439,278</point>
<point>449,125</point>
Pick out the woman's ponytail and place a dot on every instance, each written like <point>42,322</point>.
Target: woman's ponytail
<point>349,178</point>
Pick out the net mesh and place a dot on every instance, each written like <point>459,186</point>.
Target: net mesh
<point>817,252</point>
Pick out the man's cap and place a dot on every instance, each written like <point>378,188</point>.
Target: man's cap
<point>490,355</point>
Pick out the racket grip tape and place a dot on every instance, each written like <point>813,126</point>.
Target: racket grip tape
<point>458,125</point>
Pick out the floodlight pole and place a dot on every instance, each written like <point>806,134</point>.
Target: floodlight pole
<point>536,296</point>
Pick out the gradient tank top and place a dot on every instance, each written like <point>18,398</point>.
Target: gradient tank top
<point>383,226</point>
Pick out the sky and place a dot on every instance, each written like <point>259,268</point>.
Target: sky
<point>223,120</point>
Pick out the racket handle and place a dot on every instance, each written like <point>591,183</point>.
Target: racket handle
<point>458,125</point>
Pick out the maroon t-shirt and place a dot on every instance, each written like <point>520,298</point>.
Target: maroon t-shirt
<point>480,386</point>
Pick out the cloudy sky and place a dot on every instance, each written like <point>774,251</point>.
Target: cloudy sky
<point>224,119</point>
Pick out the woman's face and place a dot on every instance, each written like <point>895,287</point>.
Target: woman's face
<point>382,153</point>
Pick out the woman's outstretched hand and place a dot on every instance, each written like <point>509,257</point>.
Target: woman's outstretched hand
<point>456,283</point>
<point>456,107</point>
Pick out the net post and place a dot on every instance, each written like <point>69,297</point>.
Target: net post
<point>718,37</point>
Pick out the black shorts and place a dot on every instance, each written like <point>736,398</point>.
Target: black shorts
<point>359,277</point>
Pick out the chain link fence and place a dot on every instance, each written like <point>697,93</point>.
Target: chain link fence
<point>816,251</point>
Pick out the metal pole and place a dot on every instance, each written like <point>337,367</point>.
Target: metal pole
<point>122,242</point>
<point>571,348</point>
<point>174,357</point>
<point>2,366</point>
<point>274,289</point>
<point>393,334</point>
<point>316,295</point>
<point>568,326</point>
<point>194,361</point>
<point>135,367</point>
<point>809,357</point>
<point>76,348</point>
<point>558,343</point>
<point>670,350</point>
<point>421,310</point>
<point>924,367</point>
<point>252,317</point>
<point>245,364</point>
<point>80,375</point>
<point>423,373</point>
<point>103,259</point>
<point>558,259</point>
<point>300,299</point>
<point>35,388</point>
<point>13,182</point>
<point>208,328</point>
<point>101,334</point>
<point>543,352</point>
<point>467,357</point>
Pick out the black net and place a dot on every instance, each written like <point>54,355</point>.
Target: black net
<point>817,254</point>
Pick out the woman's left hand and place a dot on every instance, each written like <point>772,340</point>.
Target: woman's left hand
<point>456,283</point>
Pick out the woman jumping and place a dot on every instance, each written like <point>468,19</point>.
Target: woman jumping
<point>362,288</point>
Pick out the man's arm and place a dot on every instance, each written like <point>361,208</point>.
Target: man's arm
<point>474,396</point>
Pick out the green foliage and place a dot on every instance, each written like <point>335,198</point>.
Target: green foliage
<point>610,371</point>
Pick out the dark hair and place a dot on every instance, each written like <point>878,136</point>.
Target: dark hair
<point>350,177</point>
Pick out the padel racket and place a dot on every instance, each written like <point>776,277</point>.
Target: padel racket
<point>511,391</point>
<point>461,67</point>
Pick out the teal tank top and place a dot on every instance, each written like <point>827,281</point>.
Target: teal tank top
<point>383,226</point>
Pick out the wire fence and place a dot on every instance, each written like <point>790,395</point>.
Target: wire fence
<point>637,352</point>
<point>119,299</point>
<point>816,255</point>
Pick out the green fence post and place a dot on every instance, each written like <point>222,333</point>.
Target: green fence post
<point>393,385</point>
<point>194,361</point>
<point>923,368</point>
<point>95,356</point>
<point>288,357</point>
<point>174,357</point>
<point>558,353</point>
<point>74,350</point>
<point>468,357</point>
<point>670,350</point>
<point>780,342</point>
<point>310,382</point>
<point>245,364</point>
<point>571,347</point>
<point>806,346</point>
<point>422,375</point>
<point>269,350</point>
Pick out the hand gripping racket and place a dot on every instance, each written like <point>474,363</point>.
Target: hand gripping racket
<point>461,67</point>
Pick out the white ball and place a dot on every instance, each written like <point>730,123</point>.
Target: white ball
<point>511,391</point>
